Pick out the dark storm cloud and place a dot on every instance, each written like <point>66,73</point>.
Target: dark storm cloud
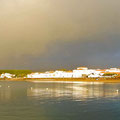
<point>28,29</point>
<point>70,55</point>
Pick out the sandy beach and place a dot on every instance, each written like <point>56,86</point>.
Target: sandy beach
<point>105,80</point>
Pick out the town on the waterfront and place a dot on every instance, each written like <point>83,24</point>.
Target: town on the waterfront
<point>80,72</point>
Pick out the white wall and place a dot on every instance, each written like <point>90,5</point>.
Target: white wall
<point>80,73</point>
<point>64,74</point>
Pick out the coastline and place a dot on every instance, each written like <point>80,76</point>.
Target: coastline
<point>104,80</point>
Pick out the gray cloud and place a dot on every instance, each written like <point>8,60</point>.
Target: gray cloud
<point>29,27</point>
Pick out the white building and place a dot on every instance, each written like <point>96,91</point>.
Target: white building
<point>56,74</point>
<point>63,74</point>
<point>113,70</point>
<point>6,75</point>
<point>82,72</point>
<point>78,73</point>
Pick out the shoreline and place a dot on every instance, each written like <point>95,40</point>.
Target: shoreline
<point>104,80</point>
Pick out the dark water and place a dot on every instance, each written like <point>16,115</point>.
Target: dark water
<point>59,101</point>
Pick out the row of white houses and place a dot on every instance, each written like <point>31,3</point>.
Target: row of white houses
<point>77,73</point>
<point>80,72</point>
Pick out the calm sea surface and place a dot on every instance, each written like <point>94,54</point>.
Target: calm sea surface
<point>59,101</point>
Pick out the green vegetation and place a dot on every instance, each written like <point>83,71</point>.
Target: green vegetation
<point>62,70</point>
<point>84,76</point>
<point>17,73</point>
<point>110,74</point>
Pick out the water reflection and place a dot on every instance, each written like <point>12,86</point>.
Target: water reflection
<point>48,101</point>
<point>75,91</point>
<point>12,91</point>
<point>5,93</point>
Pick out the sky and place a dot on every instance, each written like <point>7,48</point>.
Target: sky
<point>59,34</point>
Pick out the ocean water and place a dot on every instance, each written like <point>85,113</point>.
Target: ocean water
<point>59,101</point>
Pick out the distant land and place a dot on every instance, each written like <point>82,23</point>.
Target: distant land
<point>78,73</point>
